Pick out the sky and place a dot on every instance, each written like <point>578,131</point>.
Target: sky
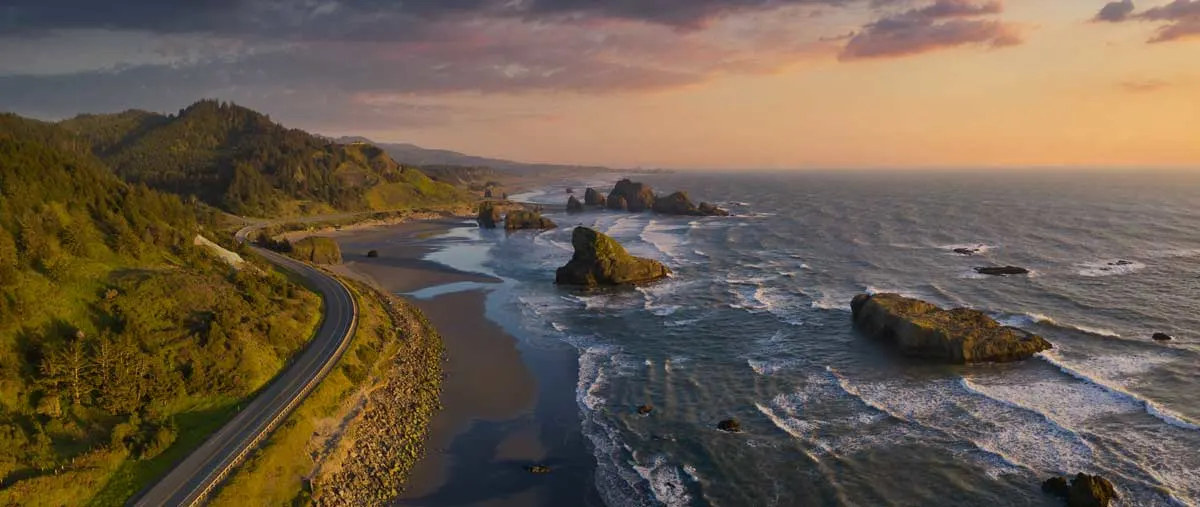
<point>705,84</point>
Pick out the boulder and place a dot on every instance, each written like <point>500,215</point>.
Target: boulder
<point>1162,337</point>
<point>730,425</point>
<point>1001,270</point>
<point>638,196</point>
<point>489,216</point>
<point>645,409</point>
<point>593,198</point>
<point>574,206</point>
<point>1090,491</point>
<point>523,219</point>
<point>1056,486</point>
<point>317,250</point>
<point>961,335</point>
<point>373,254</point>
<point>600,260</point>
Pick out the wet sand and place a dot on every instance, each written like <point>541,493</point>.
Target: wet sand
<point>505,406</point>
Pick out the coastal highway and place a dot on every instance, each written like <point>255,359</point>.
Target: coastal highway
<point>194,478</point>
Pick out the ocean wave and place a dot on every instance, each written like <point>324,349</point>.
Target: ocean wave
<point>1030,318</point>
<point>663,239</point>
<point>768,367</point>
<point>681,323</point>
<point>1096,380</point>
<point>832,302</point>
<point>1114,267</point>
<point>665,481</point>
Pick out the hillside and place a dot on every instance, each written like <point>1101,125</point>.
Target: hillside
<point>422,157</point>
<point>240,161</point>
<point>121,344</point>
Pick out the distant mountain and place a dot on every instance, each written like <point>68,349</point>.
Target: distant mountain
<point>239,160</point>
<point>412,154</point>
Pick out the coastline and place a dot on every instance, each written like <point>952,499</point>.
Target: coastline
<point>505,407</point>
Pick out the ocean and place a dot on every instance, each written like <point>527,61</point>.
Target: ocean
<point>755,325</point>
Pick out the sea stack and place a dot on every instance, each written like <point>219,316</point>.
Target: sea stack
<point>638,196</point>
<point>678,203</point>
<point>574,206</point>
<point>600,260</point>
<point>489,216</point>
<point>593,198</point>
<point>961,335</point>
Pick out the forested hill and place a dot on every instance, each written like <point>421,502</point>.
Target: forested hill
<point>121,343</point>
<point>239,160</point>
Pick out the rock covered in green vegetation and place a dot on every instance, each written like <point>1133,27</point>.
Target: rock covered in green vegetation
<point>574,205</point>
<point>961,335</point>
<point>591,197</point>
<point>489,215</point>
<point>526,219</point>
<point>678,203</point>
<point>1084,491</point>
<point>600,260</point>
<point>638,196</point>
<point>317,250</point>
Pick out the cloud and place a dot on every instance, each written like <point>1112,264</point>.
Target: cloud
<point>1144,85</point>
<point>1177,20</point>
<point>1115,12</point>
<point>942,25</point>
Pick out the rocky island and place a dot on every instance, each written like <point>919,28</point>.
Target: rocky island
<point>525,219</point>
<point>600,260</point>
<point>961,335</point>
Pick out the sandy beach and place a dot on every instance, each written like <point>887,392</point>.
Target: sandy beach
<point>506,407</point>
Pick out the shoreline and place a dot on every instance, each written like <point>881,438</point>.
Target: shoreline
<point>506,407</point>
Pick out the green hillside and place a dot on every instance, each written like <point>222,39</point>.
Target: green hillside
<point>240,161</point>
<point>121,343</point>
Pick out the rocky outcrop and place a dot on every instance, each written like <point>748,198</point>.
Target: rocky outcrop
<point>730,425</point>
<point>1085,490</point>
<point>1162,337</point>
<point>638,196</point>
<point>574,205</point>
<point>678,203</point>
<point>593,198</point>
<point>711,210</point>
<point>1001,270</point>
<point>960,335</point>
<point>618,204</point>
<point>489,216</point>
<point>317,250</point>
<point>600,260</point>
<point>524,219</point>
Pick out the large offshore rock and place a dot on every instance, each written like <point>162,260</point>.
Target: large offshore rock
<point>961,335</point>
<point>600,260</point>
<point>638,196</point>
<point>524,219</point>
<point>678,203</point>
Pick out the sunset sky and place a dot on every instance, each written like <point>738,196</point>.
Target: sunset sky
<point>653,83</point>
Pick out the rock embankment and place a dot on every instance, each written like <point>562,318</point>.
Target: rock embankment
<point>525,219</point>
<point>371,461</point>
<point>961,335</point>
<point>600,260</point>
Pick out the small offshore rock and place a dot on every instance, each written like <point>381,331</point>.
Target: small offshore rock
<point>1090,491</point>
<point>730,425</point>
<point>591,197</point>
<point>574,205</point>
<point>538,469</point>
<point>373,254</point>
<point>1001,270</point>
<point>966,251</point>
<point>1162,337</point>
<point>645,409</point>
<point>489,216</point>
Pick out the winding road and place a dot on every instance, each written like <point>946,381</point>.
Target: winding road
<point>194,478</point>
